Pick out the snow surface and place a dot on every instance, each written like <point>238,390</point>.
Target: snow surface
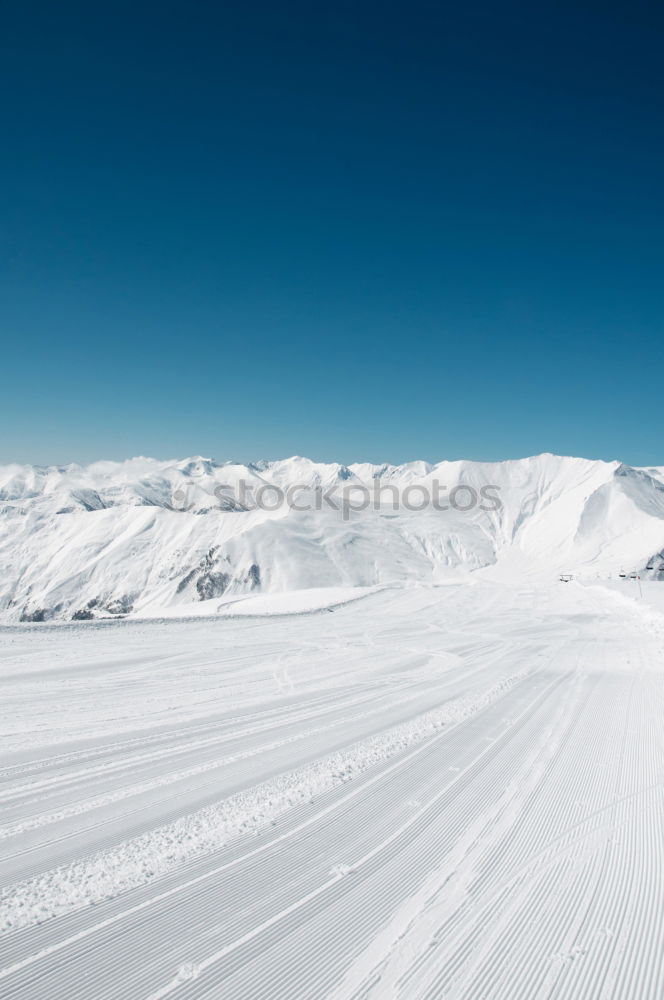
<point>336,753</point>
<point>293,602</point>
<point>433,791</point>
<point>144,537</point>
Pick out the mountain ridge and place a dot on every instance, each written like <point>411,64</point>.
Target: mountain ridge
<point>113,538</point>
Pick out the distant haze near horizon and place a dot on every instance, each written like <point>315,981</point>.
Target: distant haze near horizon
<point>222,460</point>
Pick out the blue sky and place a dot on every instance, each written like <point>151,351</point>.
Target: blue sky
<point>355,231</point>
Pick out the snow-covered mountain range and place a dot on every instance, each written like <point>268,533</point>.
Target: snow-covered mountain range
<point>134,537</point>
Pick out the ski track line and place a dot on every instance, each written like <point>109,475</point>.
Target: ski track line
<point>355,866</point>
<point>407,733</point>
<point>79,807</point>
<point>160,754</point>
<point>456,870</point>
<point>360,789</point>
<point>296,712</point>
<point>578,899</point>
<point>257,982</point>
<point>161,780</point>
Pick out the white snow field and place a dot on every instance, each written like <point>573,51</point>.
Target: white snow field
<point>426,791</point>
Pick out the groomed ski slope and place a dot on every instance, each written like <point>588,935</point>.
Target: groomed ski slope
<point>428,792</point>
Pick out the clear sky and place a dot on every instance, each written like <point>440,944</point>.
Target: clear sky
<point>350,230</point>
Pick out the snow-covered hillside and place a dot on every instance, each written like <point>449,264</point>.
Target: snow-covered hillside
<point>139,536</point>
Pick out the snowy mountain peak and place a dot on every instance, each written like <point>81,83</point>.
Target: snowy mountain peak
<point>121,537</point>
